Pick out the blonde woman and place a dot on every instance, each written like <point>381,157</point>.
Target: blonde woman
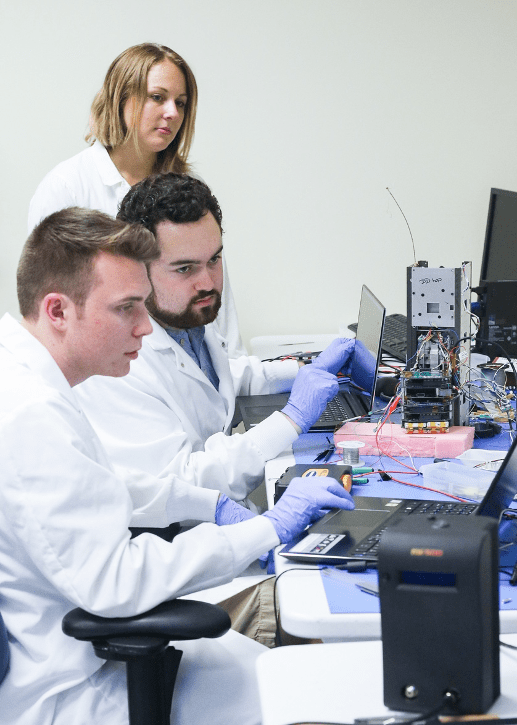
<point>142,121</point>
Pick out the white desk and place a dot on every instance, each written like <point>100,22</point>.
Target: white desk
<point>303,603</point>
<point>339,682</point>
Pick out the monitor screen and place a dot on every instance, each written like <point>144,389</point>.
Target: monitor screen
<point>500,251</point>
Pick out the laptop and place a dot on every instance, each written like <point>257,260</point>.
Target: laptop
<point>342,536</point>
<point>357,400</point>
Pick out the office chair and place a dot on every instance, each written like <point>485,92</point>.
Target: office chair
<point>142,642</point>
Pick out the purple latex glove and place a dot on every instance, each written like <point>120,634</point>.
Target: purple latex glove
<point>229,512</point>
<point>337,357</point>
<point>302,502</point>
<point>313,387</point>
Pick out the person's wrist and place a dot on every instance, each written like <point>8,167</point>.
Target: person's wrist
<point>292,422</point>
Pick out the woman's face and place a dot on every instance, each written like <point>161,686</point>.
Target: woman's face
<point>164,107</point>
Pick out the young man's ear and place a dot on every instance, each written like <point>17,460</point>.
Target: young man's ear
<point>56,308</point>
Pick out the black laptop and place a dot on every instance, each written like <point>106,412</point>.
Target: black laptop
<point>354,535</point>
<point>357,400</point>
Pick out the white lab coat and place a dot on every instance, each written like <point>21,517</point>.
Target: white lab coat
<point>91,180</point>
<point>64,542</point>
<point>166,416</point>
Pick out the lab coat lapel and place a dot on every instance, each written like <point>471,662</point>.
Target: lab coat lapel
<point>161,341</point>
<point>218,348</point>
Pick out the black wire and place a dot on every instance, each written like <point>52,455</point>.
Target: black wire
<point>278,636</point>
<point>505,644</point>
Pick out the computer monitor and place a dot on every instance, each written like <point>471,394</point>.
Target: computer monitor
<point>500,251</point>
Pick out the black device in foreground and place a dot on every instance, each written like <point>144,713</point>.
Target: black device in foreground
<point>438,589</point>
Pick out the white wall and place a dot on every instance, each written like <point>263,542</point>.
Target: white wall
<point>309,109</point>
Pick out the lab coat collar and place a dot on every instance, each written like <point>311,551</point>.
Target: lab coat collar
<point>30,352</point>
<point>108,172</point>
<point>159,339</point>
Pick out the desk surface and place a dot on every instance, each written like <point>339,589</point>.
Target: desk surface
<point>339,682</point>
<point>302,599</point>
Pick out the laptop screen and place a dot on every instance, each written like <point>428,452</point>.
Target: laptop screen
<point>365,361</point>
<point>503,488</point>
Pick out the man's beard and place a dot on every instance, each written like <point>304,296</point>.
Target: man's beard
<point>190,317</point>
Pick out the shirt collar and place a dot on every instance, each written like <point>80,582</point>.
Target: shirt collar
<point>195,335</point>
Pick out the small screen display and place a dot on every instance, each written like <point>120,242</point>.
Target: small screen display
<point>428,578</point>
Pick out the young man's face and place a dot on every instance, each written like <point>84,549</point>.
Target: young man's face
<point>105,334</point>
<point>187,279</point>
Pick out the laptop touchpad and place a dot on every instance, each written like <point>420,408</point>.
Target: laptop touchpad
<point>339,522</point>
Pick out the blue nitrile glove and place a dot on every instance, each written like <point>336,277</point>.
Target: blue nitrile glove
<point>302,500</point>
<point>313,387</point>
<point>229,512</point>
<point>363,367</point>
<point>337,356</point>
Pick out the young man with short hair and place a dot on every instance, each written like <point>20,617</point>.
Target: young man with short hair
<point>65,513</point>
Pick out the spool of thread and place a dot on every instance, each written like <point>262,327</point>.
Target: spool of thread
<point>350,452</point>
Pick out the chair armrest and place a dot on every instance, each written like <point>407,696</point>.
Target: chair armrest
<point>179,619</point>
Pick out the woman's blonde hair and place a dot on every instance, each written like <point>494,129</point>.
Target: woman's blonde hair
<point>127,78</point>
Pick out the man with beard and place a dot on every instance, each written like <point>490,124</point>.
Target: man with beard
<point>174,410</point>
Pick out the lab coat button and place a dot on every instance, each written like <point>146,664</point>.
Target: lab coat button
<point>223,344</point>
<point>182,365</point>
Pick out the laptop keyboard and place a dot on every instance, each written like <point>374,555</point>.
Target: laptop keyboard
<point>370,546</point>
<point>334,412</point>
<point>343,407</point>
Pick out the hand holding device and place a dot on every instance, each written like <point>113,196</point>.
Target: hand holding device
<point>337,357</point>
<point>313,387</point>
<point>303,501</point>
<point>229,512</point>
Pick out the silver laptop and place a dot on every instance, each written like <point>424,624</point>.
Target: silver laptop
<point>354,402</point>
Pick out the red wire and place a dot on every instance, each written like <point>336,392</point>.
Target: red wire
<point>434,490</point>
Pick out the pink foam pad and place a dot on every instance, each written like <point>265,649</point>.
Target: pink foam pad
<point>394,439</point>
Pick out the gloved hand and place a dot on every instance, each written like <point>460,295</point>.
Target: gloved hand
<point>363,367</point>
<point>302,501</point>
<point>230,512</point>
<point>313,387</point>
<point>337,357</point>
